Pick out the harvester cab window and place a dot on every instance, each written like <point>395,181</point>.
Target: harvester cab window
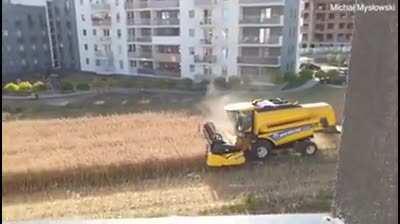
<point>241,119</point>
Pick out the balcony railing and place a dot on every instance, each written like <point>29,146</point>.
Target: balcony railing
<point>206,41</point>
<point>142,22</point>
<point>101,6</point>
<point>271,60</point>
<point>171,73</point>
<point>148,71</point>
<point>170,21</point>
<point>145,54</point>
<point>103,22</point>
<point>273,40</point>
<point>203,2</point>
<point>205,59</point>
<point>143,39</point>
<point>163,3</point>
<point>130,22</point>
<point>104,39</point>
<point>167,57</point>
<point>103,54</point>
<point>206,21</point>
<point>275,20</point>
<point>269,2</point>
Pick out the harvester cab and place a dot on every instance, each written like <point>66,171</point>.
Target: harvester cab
<point>264,126</point>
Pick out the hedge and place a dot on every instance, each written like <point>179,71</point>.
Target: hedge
<point>11,87</point>
<point>39,86</point>
<point>83,86</point>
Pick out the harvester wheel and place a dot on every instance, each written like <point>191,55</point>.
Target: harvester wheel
<point>309,148</point>
<point>261,149</point>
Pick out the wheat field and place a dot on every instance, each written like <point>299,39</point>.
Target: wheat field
<point>42,153</point>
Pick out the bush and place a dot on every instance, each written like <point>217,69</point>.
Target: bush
<point>25,86</point>
<point>11,87</point>
<point>332,74</point>
<point>234,82</point>
<point>220,82</point>
<point>306,75</point>
<point>83,86</point>
<point>67,86</point>
<point>321,75</point>
<point>187,83</point>
<point>39,86</point>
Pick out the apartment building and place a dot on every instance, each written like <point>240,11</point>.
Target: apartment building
<point>322,27</point>
<point>25,42</point>
<point>38,38</point>
<point>63,36</point>
<point>198,39</point>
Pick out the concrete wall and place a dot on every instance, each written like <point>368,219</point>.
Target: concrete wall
<point>367,182</point>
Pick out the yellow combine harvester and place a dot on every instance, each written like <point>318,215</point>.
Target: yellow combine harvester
<point>262,126</point>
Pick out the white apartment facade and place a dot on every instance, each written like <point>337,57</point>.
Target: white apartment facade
<point>197,39</point>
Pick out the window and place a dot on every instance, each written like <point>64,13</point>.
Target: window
<point>225,33</point>
<point>106,32</point>
<point>21,48</point>
<point>84,32</point>
<point>118,17</point>
<point>131,48</point>
<point>191,32</point>
<point>191,50</point>
<point>192,68</point>
<point>35,61</point>
<point>34,47</point>
<point>87,61</point>
<point>83,17</point>
<point>331,25</point>
<point>121,64</point>
<point>96,48</point>
<point>97,62</point>
<point>132,63</point>
<point>116,2</point>
<point>119,33</point>
<point>5,33</point>
<point>94,32</point>
<point>225,52</point>
<point>191,14</point>
<point>85,46</point>
<point>81,2</point>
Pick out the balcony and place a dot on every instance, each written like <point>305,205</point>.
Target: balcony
<point>170,73</point>
<point>146,71</point>
<point>257,20</point>
<point>255,40</point>
<point>130,22</point>
<point>203,2</point>
<point>103,54</point>
<point>102,22</point>
<point>206,41</point>
<point>167,57</point>
<point>170,21</point>
<point>263,2</point>
<point>140,55</point>
<point>256,60</point>
<point>206,21</point>
<point>143,22</point>
<point>101,7</point>
<point>104,39</point>
<point>145,39</point>
<point>164,3</point>
<point>205,59</point>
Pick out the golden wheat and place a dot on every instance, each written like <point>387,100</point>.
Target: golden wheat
<point>38,153</point>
